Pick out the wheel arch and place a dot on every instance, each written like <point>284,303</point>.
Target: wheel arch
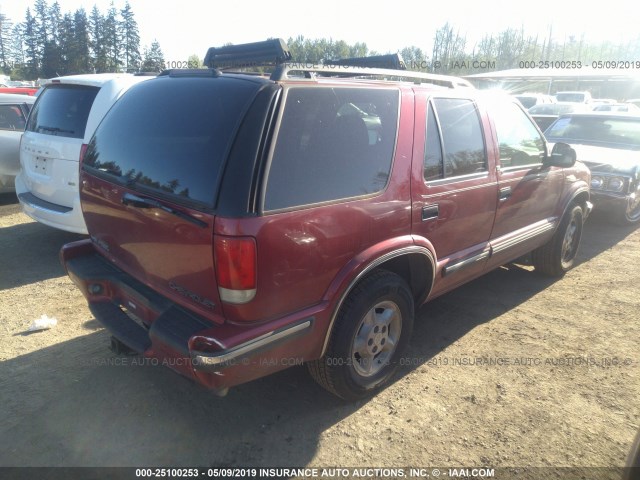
<point>414,263</point>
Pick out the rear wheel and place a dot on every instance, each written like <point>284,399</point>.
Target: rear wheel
<point>558,255</point>
<point>371,331</point>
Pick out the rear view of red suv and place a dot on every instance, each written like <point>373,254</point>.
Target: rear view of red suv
<point>241,224</point>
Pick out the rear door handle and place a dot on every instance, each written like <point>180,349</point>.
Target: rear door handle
<point>505,194</point>
<point>429,212</point>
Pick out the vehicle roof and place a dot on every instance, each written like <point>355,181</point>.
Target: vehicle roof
<point>16,98</point>
<point>92,79</point>
<point>606,114</point>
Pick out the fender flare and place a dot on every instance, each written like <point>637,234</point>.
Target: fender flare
<point>371,265</point>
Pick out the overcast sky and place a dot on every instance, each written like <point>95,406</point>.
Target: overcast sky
<point>185,27</point>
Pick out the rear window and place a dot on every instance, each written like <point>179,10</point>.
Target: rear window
<point>170,136</point>
<point>62,110</point>
<point>333,143</point>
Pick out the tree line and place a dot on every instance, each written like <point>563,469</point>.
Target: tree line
<point>453,54</point>
<point>49,43</point>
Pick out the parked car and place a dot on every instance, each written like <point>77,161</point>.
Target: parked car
<point>239,224</point>
<point>14,110</point>
<point>19,90</point>
<point>617,107</point>
<point>528,100</point>
<point>64,118</point>
<point>576,97</point>
<point>545,115</point>
<point>609,144</point>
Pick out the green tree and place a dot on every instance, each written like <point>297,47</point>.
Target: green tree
<point>111,39</point>
<point>96,35</point>
<point>194,61</point>
<point>5,42</point>
<point>32,47</point>
<point>153,60</point>
<point>130,38</point>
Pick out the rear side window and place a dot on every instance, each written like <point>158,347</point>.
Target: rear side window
<point>11,117</point>
<point>62,110</point>
<point>170,136</point>
<point>333,143</point>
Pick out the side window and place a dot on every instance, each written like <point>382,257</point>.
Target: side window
<point>519,141</point>
<point>433,149</point>
<point>462,139</point>
<point>333,143</point>
<point>11,117</point>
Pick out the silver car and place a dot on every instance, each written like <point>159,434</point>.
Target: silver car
<point>14,110</point>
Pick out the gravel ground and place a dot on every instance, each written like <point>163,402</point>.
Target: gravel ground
<point>511,370</point>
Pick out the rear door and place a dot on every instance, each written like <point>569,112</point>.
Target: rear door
<point>454,187</point>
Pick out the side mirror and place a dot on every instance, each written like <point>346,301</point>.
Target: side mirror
<point>562,155</point>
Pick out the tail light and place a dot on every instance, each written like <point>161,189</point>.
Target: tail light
<point>236,263</point>
<point>83,151</point>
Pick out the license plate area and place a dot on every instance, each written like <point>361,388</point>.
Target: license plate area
<point>42,165</point>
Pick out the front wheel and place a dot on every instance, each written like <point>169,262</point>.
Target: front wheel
<point>371,331</point>
<point>630,215</point>
<point>557,256</point>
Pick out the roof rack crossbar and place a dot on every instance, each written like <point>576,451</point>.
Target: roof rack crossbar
<point>282,72</point>
<point>268,52</point>
<point>393,61</point>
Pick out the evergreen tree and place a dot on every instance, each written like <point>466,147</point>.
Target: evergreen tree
<point>5,42</point>
<point>111,39</point>
<point>96,23</point>
<point>130,37</point>
<point>81,60</point>
<point>32,47</point>
<point>153,58</point>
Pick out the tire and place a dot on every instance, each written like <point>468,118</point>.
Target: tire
<point>557,256</point>
<point>630,215</point>
<point>371,331</point>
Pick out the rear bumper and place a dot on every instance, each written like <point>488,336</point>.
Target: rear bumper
<point>217,356</point>
<point>51,214</point>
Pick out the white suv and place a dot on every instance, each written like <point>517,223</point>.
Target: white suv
<point>63,118</point>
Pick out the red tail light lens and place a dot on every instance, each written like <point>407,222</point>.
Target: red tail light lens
<point>236,262</point>
<point>83,151</point>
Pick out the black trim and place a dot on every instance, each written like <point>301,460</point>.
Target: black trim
<point>430,212</point>
<point>33,201</point>
<point>268,52</point>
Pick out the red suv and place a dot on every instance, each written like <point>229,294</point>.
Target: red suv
<point>240,224</point>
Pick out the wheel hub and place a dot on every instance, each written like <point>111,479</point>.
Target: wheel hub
<point>376,338</point>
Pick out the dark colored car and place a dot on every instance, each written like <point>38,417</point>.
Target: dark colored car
<point>545,114</point>
<point>609,144</point>
<point>241,224</point>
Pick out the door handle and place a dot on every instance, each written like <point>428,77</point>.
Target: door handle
<point>429,212</point>
<point>505,194</point>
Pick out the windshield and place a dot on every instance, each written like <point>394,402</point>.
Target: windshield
<point>621,133</point>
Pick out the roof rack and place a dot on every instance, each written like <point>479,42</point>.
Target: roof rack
<point>268,52</point>
<point>393,61</point>
<point>284,71</point>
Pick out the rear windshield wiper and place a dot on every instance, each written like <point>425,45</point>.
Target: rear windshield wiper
<point>141,202</point>
<point>55,129</point>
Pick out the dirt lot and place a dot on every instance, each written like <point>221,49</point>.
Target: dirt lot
<point>557,385</point>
